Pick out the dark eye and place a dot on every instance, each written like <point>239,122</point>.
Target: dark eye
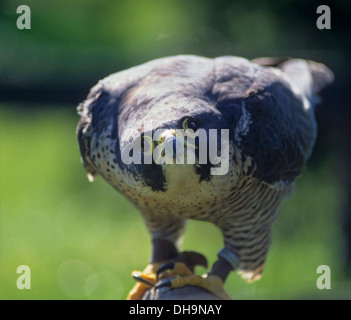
<point>189,124</point>
<point>192,125</point>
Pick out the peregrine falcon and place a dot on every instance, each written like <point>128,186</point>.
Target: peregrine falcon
<point>256,119</point>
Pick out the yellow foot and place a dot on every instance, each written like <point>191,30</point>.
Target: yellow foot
<point>183,277</point>
<point>153,272</point>
<point>146,279</point>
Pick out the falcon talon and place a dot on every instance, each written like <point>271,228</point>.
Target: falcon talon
<point>163,268</point>
<point>163,283</point>
<point>139,278</point>
<point>146,279</point>
<point>174,269</point>
<point>192,259</point>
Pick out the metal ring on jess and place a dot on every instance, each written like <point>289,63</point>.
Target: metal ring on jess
<point>230,257</point>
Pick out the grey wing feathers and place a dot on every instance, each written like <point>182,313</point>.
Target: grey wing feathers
<point>281,106</point>
<point>321,75</point>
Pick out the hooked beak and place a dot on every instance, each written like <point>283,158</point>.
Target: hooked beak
<point>173,149</point>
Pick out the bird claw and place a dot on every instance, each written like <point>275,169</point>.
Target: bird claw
<point>163,283</point>
<point>208,282</point>
<point>163,268</point>
<point>177,274</point>
<point>146,279</point>
<point>138,276</point>
<point>173,269</point>
<point>180,267</point>
<point>192,259</point>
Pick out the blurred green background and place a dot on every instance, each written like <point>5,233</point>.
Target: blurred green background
<point>82,240</point>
